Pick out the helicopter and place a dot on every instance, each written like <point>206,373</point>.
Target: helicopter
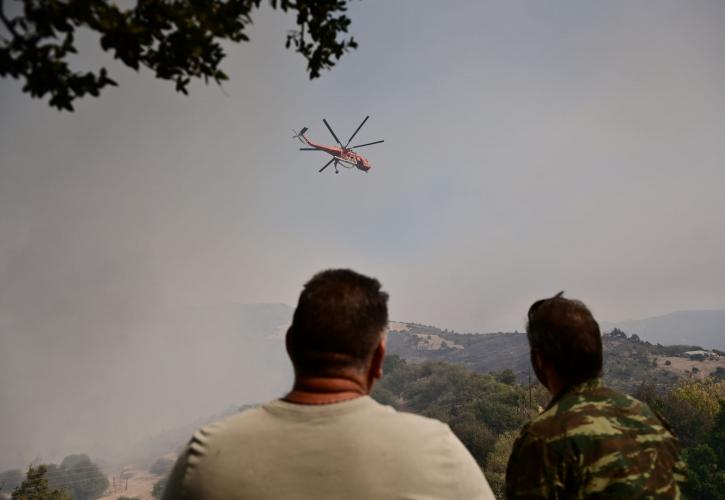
<point>341,155</point>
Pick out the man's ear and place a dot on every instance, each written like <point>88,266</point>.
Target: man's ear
<point>376,367</point>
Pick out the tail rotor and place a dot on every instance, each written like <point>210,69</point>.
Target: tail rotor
<point>300,135</point>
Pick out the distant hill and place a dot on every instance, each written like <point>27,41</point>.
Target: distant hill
<point>628,360</point>
<point>705,328</point>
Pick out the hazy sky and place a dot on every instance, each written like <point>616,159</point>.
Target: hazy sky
<point>530,147</point>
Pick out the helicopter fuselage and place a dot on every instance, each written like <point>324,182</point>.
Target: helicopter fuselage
<point>342,154</point>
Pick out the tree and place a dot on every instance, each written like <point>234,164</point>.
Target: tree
<point>177,39</point>
<point>692,406</point>
<point>506,376</point>
<point>497,462</point>
<point>618,333</point>
<point>35,487</point>
<point>704,480</point>
<point>79,476</point>
<point>706,462</point>
<point>717,436</point>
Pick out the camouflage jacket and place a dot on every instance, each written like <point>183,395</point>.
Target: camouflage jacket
<point>593,442</point>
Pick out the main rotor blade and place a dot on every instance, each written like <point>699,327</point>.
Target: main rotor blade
<point>326,165</point>
<point>309,149</point>
<point>367,144</point>
<point>356,131</point>
<point>333,133</point>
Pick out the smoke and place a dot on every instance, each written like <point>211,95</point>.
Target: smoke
<point>528,149</point>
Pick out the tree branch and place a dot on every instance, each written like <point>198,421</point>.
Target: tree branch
<point>8,24</point>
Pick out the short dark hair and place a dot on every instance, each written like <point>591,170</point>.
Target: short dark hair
<point>339,321</point>
<point>565,334</point>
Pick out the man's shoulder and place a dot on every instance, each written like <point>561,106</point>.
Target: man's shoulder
<point>419,425</point>
<point>414,419</point>
<point>219,429</point>
<point>589,409</point>
<point>368,411</point>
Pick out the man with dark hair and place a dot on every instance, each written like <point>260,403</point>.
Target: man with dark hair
<point>327,439</point>
<point>591,441</point>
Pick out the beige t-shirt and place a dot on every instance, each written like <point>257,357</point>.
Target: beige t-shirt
<point>357,449</point>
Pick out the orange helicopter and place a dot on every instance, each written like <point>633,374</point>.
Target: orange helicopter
<point>342,155</point>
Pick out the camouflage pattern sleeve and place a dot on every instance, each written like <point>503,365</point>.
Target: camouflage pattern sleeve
<point>534,471</point>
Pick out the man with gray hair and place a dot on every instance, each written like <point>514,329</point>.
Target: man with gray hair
<point>327,438</point>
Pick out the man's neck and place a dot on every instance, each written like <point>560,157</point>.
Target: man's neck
<point>326,390</point>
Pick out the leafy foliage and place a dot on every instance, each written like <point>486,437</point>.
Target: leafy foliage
<point>692,408</point>
<point>706,477</point>
<point>497,462</point>
<point>717,435</point>
<point>486,412</point>
<point>696,411</point>
<point>79,476</point>
<point>479,408</point>
<point>177,39</point>
<point>36,487</point>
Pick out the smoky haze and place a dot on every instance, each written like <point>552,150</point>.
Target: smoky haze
<point>529,148</point>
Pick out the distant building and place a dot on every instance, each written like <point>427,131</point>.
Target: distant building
<point>702,355</point>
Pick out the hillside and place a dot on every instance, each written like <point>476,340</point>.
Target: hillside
<point>628,360</point>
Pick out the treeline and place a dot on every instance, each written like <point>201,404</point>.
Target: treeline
<point>695,410</point>
<point>628,360</point>
<point>486,412</point>
<point>77,477</point>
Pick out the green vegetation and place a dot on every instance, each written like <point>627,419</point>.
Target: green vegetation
<point>486,411</point>
<point>76,477</point>
<point>36,487</point>
<point>497,461</point>
<point>79,476</point>
<point>627,359</point>
<point>178,40</point>
<point>695,409</point>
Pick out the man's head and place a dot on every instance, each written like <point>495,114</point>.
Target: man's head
<point>565,340</point>
<point>339,323</point>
